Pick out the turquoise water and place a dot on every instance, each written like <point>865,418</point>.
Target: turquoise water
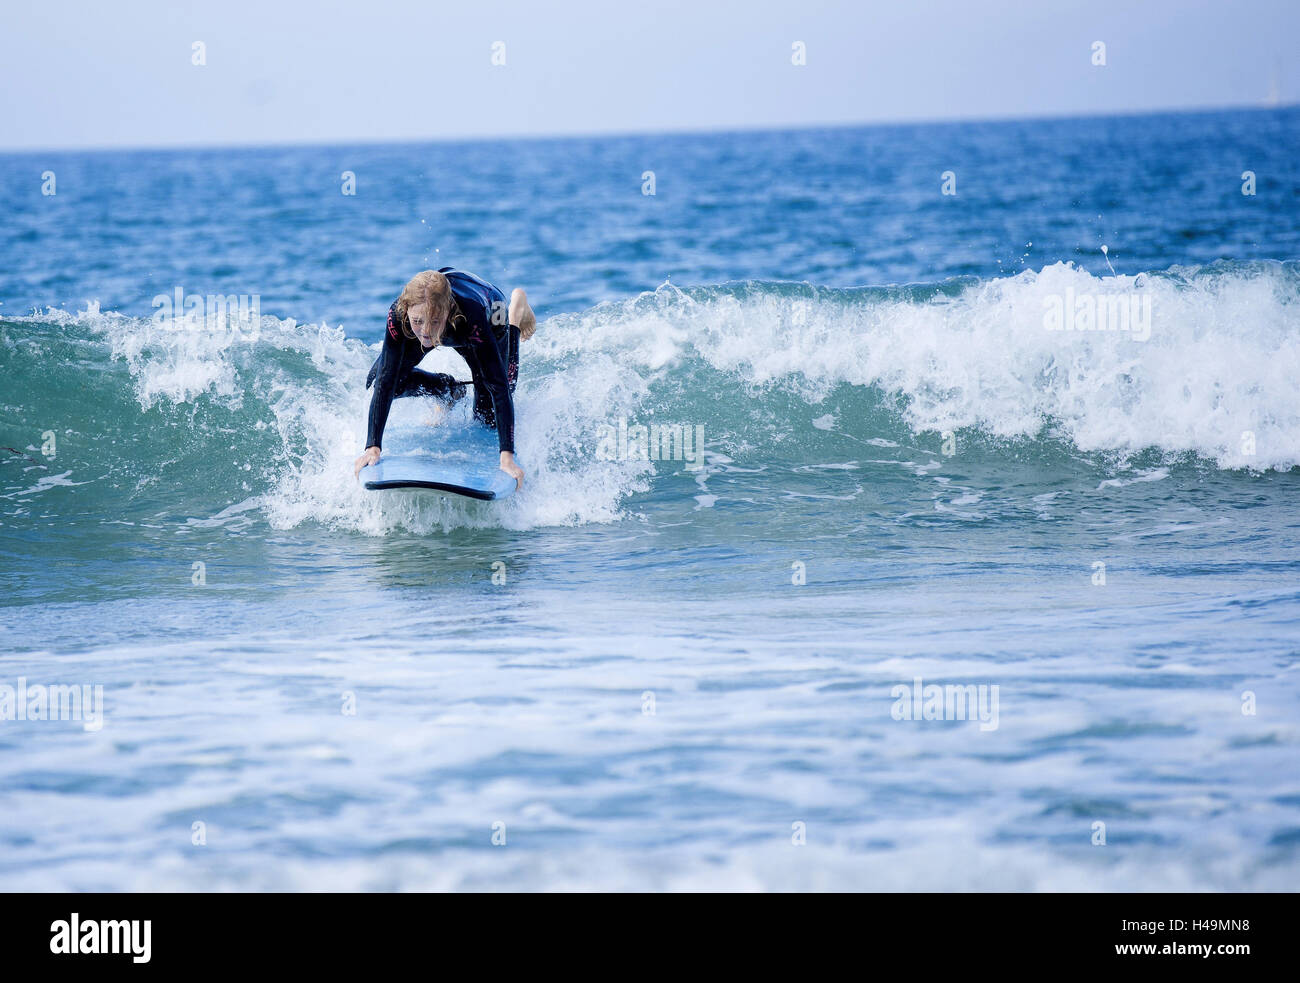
<point>652,671</point>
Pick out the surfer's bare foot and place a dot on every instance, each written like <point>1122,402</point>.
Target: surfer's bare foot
<point>521,314</point>
<point>436,417</point>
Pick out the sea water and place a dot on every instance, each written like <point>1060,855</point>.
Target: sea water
<point>907,507</point>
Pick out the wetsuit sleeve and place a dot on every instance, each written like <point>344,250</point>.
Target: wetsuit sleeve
<point>488,364</point>
<point>390,365</point>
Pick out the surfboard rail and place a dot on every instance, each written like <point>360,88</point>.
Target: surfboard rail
<point>454,460</point>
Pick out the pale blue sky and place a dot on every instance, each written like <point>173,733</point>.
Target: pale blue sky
<point>95,74</point>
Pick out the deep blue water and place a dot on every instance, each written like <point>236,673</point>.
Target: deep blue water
<point>905,475</point>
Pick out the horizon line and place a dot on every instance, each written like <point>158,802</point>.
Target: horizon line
<point>702,130</point>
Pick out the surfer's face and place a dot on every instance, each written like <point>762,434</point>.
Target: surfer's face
<point>422,325</point>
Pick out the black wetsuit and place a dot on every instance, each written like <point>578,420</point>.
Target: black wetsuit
<point>482,336</point>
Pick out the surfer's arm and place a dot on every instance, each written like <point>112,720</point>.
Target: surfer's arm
<point>381,400</point>
<point>491,373</point>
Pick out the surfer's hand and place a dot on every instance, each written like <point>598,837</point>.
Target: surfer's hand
<point>509,466</point>
<point>370,456</point>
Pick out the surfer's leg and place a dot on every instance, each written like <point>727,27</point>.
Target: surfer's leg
<point>512,356</point>
<point>521,313</point>
<point>483,411</point>
<point>436,384</point>
<point>417,382</point>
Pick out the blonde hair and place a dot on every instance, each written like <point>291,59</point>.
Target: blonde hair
<point>428,287</point>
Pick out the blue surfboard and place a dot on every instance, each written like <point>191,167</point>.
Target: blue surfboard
<point>455,459</point>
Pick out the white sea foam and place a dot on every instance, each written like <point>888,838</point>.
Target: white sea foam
<point>1216,378</point>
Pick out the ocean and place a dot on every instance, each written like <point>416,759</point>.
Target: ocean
<point>906,508</point>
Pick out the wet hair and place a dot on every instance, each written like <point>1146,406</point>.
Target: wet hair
<point>432,289</point>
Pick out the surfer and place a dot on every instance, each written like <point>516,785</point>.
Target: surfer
<point>458,310</point>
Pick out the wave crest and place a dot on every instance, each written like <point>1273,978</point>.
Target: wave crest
<point>771,371</point>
